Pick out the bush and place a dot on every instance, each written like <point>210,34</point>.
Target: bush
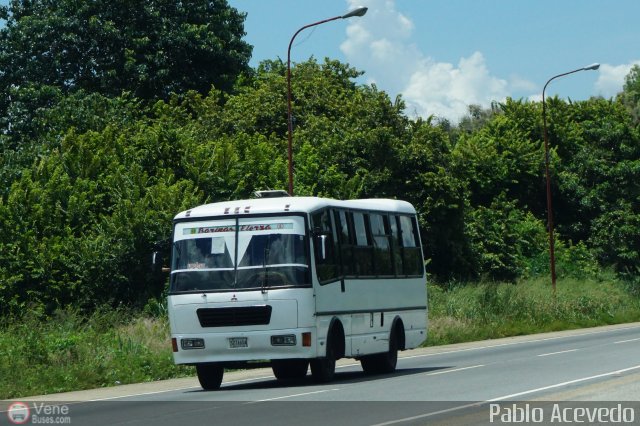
<point>67,351</point>
<point>491,310</point>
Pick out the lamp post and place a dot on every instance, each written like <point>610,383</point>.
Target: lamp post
<point>356,12</point>
<point>552,258</point>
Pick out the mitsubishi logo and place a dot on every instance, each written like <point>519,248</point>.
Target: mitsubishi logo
<point>234,298</point>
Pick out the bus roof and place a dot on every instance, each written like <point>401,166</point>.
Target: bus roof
<point>292,204</point>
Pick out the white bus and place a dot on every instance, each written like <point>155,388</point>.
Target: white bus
<point>296,281</point>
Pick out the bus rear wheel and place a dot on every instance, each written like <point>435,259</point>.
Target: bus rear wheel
<point>210,375</point>
<point>287,369</point>
<point>385,362</point>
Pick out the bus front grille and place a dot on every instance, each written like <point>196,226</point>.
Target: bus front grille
<point>234,316</point>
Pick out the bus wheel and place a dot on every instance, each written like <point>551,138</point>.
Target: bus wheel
<point>385,362</point>
<point>286,369</point>
<point>210,375</point>
<point>323,369</point>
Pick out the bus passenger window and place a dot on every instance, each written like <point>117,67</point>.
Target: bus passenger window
<point>345,241</point>
<point>382,249</point>
<point>412,255</point>
<point>396,245</point>
<point>327,265</point>
<point>363,251</point>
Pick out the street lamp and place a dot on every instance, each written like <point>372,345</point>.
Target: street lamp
<point>356,12</point>
<point>552,258</point>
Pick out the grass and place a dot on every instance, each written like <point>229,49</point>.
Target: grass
<point>71,352</point>
<point>461,313</point>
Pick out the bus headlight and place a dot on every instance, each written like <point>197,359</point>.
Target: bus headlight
<point>283,340</point>
<point>192,343</point>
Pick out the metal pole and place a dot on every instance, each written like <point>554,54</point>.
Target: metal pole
<point>552,257</point>
<point>356,12</point>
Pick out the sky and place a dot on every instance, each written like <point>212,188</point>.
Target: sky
<point>443,55</point>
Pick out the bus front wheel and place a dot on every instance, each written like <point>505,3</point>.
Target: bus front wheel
<point>323,369</point>
<point>210,375</point>
<point>286,369</point>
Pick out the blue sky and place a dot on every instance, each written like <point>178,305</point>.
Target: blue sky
<point>442,55</point>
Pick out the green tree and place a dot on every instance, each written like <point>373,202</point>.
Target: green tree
<point>502,157</point>
<point>79,226</point>
<point>503,239</point>
<point>425,176</point>
<point>630,95</point>
<point>345,136</point>
<point>597,170</point>
<point>148,48</point>
<point>39,132</point>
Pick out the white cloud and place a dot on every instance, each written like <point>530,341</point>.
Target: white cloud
<point>446,90</point>
<point>537,97</point>
<point>611,78</point>
<point>381,45</point>
<point>518,83</point>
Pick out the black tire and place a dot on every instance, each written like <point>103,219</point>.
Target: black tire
<point>210,375</point>
<point>369,364</point>
<point>288,369</point>
<point>385,362</point>
<point>323,369</point>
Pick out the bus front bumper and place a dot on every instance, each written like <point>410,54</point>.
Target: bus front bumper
<point>244,346</point>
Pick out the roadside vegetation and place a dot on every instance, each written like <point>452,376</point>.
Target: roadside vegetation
<point>70,351</point>
<point>103,140</point>
<point>463,313</point>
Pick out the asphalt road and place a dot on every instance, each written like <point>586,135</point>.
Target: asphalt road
<point>473,383</point>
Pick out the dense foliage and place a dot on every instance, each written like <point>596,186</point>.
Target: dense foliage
<point>92,172</point>
<point>149,48</point>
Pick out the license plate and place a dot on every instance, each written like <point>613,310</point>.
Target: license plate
<point>238,342</point>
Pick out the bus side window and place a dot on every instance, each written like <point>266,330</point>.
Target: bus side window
<point>363,252</point>
<point>382,248</point>
<point>396,245</point>
<point>327,265</point>
<point>344,228</point>
<point>412,255</point>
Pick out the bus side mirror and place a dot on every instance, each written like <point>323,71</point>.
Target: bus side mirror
<point>157,262</point>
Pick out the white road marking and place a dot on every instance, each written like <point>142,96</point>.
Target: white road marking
<point>292,396</point>
<point>560,352</point>
<point>454,370</point>
<point>570,382</point>
<point>433,413</point>
<point>176,389</point>
<point>139,394</point>
<point>625,341</point>
<point>507,397</point>
<point>517,343</point>
<point>399,358</point>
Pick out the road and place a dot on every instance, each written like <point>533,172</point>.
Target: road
<point>454,384</point>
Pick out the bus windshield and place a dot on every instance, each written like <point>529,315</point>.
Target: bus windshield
<point>241,253</point>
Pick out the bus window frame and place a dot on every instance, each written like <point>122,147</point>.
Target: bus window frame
<point>387,216</point>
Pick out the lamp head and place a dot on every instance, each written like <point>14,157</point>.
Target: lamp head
<point>356,12</point>
<point>591,67</point>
